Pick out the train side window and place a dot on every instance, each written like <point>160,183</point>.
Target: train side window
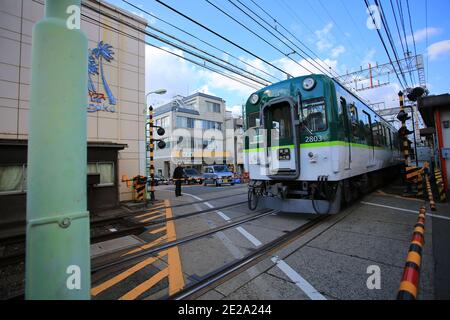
<point>353,113</point>
<point>390,138</point>
<point>369,128</point>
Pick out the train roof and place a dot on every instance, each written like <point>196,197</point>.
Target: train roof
<point>327,78</point>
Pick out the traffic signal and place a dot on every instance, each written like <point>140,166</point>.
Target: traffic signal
<point>416,93</point>
<point>403,116</point>
<point>161,144</point>
<point>403,132</point>
<point>160,131</point>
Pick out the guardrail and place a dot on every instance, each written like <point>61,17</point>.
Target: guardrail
<point>409,284</point>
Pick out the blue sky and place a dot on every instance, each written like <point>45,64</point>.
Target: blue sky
<point>338,35</point>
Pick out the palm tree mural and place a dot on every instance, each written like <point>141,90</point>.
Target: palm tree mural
<point>104,52</point>
<point>92,69</point>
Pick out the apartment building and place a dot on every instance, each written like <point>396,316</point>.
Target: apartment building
<point>195,133</point>
<point>114,106</point>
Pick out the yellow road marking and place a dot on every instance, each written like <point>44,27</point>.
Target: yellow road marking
<point>149,213</point>
<point>144,286</point>
<point>157,230</point>
<point>176,279</point>
<point>147,246</point>
<point>152,218</point>
<point>118,278</point>
<point>381,193</point>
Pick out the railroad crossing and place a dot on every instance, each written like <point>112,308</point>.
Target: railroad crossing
<point>314,196</point>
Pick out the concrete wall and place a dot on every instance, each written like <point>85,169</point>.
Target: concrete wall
<point>125,76</point>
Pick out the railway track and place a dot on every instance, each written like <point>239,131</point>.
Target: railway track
<point>183,240</point>
<point>232,269</point>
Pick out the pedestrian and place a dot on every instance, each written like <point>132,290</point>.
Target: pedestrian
<point>178,174</point>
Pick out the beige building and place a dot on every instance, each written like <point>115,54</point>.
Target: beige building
<point>198,131</point>
<point>114,108</point>
<point>190,124</point>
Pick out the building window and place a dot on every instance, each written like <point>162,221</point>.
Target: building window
<point>213,107</point>
<point>106,171</point>
<point>211,125</point>
<point>13,178</point>
<point>183,122</point>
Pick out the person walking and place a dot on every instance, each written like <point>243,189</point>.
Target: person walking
<point>178,174</point>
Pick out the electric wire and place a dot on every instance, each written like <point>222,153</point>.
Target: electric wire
<point>201,40</point>
<point>222,37</point>
<point>257,35</point>
<point>240,80</point>
<point>384,44</point>
<point>313,62</point>
<point>391,40</point>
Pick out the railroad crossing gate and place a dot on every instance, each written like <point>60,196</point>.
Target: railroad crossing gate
<point>414,176</point>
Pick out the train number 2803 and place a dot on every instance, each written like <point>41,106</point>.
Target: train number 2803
<point>314,139</point>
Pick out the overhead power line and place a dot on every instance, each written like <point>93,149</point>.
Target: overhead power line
<point>257,35</point>
<point>391,39</point>
<point>384,44</point>
<point>312,62</point>
<point>242,78</point>
<point>201,40</point>
<point>223,37</point>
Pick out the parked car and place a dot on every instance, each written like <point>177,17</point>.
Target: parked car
<point>218,175</point>
<point>159,179</point>
<point>193,176</point>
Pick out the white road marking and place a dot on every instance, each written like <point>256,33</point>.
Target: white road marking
<point>304,285</point>
<point>405,210</point>
<point>249,236</point>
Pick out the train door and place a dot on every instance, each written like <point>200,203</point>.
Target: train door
<point>348,135</point>
<point>280,120</point>
<point>370,139</point>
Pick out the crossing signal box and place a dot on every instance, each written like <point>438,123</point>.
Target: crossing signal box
<point>403,116</point>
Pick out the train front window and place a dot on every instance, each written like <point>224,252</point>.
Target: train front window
<point>314,115</point>
<point>253,120</point>
<point>281,120</point>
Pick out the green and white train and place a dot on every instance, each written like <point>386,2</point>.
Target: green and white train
<point>311,145</point>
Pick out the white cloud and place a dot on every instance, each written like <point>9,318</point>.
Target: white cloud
<point>421,34</point>
<point>368,58</point>
<point>438,49</point>
<point>337,51</point>
<point>180,77</point>
<point>387,94</point>
<point>324,37</point>
<point>312,65</point>
<point>236,110</point>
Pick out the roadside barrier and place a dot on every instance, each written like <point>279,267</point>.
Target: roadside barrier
<point>409,284</point>
<point>426,167</point>
<point>440,185</point>
<point>414,176</point>
<point>138,184</point>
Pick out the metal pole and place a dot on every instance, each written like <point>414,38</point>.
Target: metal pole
<point>152,150</point>
<point>414,132</point>
<point>57,244</point>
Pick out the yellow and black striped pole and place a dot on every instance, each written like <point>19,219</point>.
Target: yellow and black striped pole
<point>152,153</point>
<point>428,184</point>
<point>404,129</point>
<point>410,280</point>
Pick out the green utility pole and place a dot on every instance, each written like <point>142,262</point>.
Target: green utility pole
<point>57,252</point>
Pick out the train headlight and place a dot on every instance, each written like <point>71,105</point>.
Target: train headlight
<point>309,83</point>
<point>254,98</point>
